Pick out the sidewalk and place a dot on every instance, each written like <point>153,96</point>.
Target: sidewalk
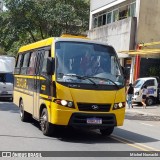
<point>150,110</point>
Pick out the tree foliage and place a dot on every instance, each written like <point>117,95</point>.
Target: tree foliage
<point>27,21</point>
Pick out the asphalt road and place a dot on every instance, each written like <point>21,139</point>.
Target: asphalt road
<point>139,133</point>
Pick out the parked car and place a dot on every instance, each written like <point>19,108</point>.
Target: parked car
<point>152,84</point>
<point>7,64</point>
<point>6,85</point>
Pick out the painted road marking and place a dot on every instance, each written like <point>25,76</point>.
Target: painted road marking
<point>147,124</point>
<point>133,143</point>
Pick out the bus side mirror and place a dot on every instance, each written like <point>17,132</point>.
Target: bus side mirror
<point>124,71</point>
<point>50,66</point>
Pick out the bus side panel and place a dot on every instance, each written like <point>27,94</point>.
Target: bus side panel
<point>27,100</point>
<point>28,103</point>
<point>16,97</point>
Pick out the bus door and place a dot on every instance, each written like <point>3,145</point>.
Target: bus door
<point>38,65</point>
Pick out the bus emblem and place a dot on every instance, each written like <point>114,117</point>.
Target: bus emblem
<point>95,107</point>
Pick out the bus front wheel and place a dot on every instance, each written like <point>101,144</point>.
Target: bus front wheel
<point>25,116</point>
<point>107,131</point>
<point>46,127</point>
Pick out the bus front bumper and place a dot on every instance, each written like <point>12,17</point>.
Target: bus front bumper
<point>87,119</point>
<point>92,120</point>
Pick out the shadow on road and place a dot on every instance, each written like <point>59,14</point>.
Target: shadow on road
<point>133,136</point>
<point>90,137</point>
<point>8,106</point>
<point>81,135</point>
<point>70,134</point>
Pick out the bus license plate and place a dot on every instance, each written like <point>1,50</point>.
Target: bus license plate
<point>94,121</point>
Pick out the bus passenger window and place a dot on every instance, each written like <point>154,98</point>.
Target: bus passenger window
<point>44,63</point>
<point>31,68</point>
<point>25,63</point>
<point>18,64</point>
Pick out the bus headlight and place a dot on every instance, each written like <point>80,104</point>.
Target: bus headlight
<point>65,103</point>
<point>119,105</point>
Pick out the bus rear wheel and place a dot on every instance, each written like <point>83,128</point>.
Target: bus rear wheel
<point>25,116</point>
<point>107,131</point>
<point>46,127</point>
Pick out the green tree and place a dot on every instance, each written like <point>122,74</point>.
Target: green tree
<point>27,21</point>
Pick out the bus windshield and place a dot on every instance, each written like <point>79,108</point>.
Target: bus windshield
<point>6,77</point>
<point>87,63</point>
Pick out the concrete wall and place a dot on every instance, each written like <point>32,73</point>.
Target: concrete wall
<point>120,34</point>
<point>148,26</point>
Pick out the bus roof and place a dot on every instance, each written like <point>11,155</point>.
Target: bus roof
<point>49,41</point>
<point>42,43</point>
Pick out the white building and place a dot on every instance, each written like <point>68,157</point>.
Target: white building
<point>125,23</point>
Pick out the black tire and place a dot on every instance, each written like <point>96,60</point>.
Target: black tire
<point>150,101</point>
<point>107,131</point>
<point>11,99</point>
<point>25,116</point>
<point>46,127</point>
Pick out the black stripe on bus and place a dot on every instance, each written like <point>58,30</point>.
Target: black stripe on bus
<point>41,86</point>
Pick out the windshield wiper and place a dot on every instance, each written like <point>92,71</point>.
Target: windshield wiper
<point>106,79</point>
<point>81,77</point>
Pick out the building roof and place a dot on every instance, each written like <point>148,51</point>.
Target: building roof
<point>150,50</point>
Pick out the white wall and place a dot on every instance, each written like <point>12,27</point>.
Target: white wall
<point>148,29</point>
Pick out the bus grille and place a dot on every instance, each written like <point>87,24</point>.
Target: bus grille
<point>80,119</point>
<point>94,107</point>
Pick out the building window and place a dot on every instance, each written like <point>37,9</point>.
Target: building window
<point>95,22</point>
<point>115,15</point>
<point>109,17</point>
<point>99,21</point>
<point>132,10</point>
<point>104,19</point>
<point>123,12</point>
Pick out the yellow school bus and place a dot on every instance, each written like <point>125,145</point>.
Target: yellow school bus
<point>70,81</point>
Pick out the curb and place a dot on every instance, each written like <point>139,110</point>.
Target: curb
<point>141,112</point>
